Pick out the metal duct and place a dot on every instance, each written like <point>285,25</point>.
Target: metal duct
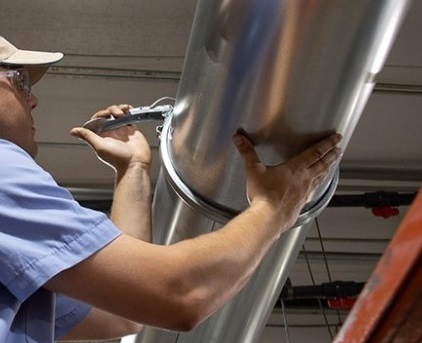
<point>287,72</point>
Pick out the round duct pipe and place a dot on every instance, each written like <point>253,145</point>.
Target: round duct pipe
<point>286,72</point>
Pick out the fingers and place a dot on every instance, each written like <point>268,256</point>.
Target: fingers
<point>329,154</point>
<point>246,150</point>
<point>324,152</point>
<point>319,157</point>
<point>115,111</point>
<point>324,164</point>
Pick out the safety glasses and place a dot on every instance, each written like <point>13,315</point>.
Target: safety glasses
<point>20,79</point>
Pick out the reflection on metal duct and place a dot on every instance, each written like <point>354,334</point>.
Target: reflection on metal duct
<point>287,72</point>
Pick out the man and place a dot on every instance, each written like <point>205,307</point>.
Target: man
<point>58,255</point>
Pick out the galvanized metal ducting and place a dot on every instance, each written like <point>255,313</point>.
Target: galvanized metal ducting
<point>287,72</point>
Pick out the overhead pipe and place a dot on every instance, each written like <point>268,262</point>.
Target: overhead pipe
<point>366,200</point>
<point>338,295</point>
<point>287,72</point>
<point>336,289</point>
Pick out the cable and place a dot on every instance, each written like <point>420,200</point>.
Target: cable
<point>326,265</point>
<point>286,326</point>
<point>323,251</point>
<point>155,103</point>
<point>319,301</point>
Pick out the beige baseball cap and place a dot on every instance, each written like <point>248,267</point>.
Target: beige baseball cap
<point>37,62</point>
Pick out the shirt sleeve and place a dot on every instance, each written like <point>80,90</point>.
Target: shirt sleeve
<point>43,230</point>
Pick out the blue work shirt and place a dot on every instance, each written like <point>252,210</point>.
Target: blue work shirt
<point>43,231</point>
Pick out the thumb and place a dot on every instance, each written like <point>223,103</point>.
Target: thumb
<point>86,135</point>
<point>246,150</point>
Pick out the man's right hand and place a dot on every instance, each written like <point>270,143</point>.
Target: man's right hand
<point>287,185</point>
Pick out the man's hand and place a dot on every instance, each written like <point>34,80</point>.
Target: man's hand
<point>287,186</point>
<point>120,148</point>
<point>128,152</point>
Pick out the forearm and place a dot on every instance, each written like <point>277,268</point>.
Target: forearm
<point>177,286</point>
<point>221,263</point>
<point>131,209</point>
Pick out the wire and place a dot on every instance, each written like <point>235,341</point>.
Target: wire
<point>327,324</point>
<point>155,103</point>
<point>323,251</point>
<point>286,326</point>
<point>340,322</point>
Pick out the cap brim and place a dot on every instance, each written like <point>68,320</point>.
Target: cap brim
<point>27,58</point>
<point>36,72</point>
<point>37,62</point>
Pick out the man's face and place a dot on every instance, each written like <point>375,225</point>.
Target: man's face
<point>16,122</point>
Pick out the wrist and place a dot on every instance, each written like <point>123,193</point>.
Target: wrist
<point>281,216</point>
<point>265,208</point>
<point>136,178</point>
<point>134,167</point>
<point>265,204</point>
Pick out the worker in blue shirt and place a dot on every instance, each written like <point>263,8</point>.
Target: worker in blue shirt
<point>71,273</point>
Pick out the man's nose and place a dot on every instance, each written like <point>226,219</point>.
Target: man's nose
<point>33,101</point>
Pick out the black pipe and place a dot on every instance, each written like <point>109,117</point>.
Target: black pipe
<point>336,289</point>
<point>372,200</point>
<point>367,200</point>
<point>317,296</point>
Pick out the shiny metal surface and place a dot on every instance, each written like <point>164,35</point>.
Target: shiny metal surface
<point>287,72</point>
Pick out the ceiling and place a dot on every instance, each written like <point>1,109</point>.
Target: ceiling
<point>132,51</point>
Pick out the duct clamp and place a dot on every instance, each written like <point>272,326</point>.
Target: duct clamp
<point>134,115</point>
